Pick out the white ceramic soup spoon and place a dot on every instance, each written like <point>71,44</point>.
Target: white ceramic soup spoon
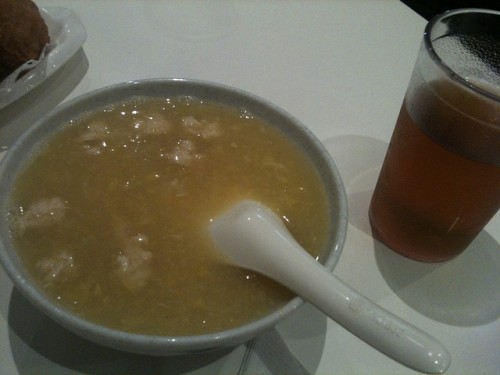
<point>253,237</point>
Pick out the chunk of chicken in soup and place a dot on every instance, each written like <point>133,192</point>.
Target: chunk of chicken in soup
<point>42,213</point>
<point>133,263</point>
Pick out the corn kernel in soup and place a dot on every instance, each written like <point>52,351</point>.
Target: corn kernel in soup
<point>112,216</point>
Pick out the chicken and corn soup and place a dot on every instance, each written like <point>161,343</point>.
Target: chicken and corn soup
<point>112,216</point>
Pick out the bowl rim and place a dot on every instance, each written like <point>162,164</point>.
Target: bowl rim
<point>34,138</point>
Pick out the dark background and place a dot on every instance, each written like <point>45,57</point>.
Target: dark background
<point>429,8</point>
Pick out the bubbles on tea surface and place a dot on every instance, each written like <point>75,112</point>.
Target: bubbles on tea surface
<point>475,58</point>
<point>485,85</point>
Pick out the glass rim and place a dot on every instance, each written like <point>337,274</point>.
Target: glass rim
<point>441,63</point>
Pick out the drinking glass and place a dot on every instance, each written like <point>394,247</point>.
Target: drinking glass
<point>440,181</point>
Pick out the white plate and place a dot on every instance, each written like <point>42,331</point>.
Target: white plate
<point>67,35</point>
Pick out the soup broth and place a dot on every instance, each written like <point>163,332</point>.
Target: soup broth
<point>111,217</point>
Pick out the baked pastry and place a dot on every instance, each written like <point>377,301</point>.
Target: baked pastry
<point>23,34</point>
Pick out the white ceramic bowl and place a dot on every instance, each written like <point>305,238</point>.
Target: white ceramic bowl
<point>38,134</point>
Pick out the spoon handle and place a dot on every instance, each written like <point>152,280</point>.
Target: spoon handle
<point>260,243</point>
<point>376,326</point>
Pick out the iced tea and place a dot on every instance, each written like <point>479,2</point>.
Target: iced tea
<point>440,182</point>
<point>431,201</point>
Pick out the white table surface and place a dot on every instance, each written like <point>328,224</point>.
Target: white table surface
<point>342,68</point>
